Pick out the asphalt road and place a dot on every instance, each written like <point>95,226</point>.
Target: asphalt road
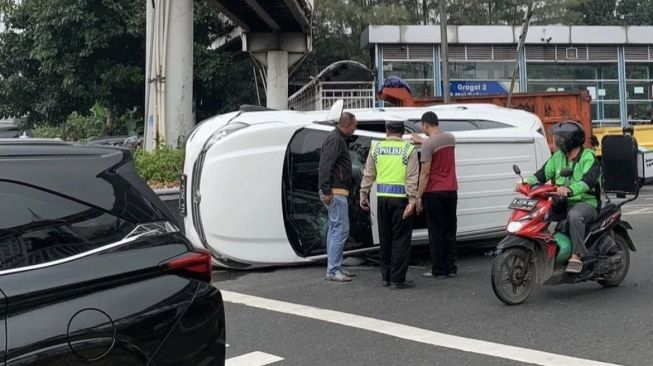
<point>582,321</point>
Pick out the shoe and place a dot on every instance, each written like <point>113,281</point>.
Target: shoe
<point>574,266</point>
<point>402,285</point>
<point>347,273</point>
<point>430,274</point>
<point>452,274</point>
<point>338,277</point>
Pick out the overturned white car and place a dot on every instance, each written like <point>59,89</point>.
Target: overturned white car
<point>249,190</point>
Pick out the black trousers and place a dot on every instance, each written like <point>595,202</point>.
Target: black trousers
<point>395,234</point>
<point>442,222</point>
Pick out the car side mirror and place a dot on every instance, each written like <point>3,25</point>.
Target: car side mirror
<point>566,172</point>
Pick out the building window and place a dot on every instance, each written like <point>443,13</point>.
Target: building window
<point>481,78</point>
<point>639,92</point>
<point>419,75</point>
<point>601,80</point>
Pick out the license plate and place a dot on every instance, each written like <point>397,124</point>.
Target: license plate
<point>182,195</point>
<point>525,204</point>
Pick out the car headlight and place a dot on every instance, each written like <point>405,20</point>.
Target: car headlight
<point>222,132</point>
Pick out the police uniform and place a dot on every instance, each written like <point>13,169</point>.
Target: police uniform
<point>394,165</point>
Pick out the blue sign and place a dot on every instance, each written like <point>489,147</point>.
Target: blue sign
<point>476,87</point>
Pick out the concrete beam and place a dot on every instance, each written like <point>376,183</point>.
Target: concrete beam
<point>239,22</point>
<point>258,9</point>
<point>299,14</point>
<point>289,42</point>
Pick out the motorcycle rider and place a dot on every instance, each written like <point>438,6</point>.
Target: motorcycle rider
<point>582,188</point>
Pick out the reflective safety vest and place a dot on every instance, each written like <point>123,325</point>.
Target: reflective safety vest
<point>391,158</point>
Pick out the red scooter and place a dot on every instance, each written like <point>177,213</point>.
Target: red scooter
<point>532,253</point>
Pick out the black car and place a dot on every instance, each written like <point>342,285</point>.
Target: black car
<point>93,268</point>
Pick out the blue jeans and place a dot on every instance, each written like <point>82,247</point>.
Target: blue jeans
<point>337,232</point>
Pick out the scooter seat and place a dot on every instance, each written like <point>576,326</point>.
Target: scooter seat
<point>604,213</point>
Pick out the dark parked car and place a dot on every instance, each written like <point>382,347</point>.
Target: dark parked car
<point>93,268</point>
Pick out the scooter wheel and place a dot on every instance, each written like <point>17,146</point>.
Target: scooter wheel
<point>513,276</point>
<point>616,278</point>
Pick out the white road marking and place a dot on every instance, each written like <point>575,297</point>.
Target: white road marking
<point>415,334</point>
<point>253,359</point>
<point>638,211</point>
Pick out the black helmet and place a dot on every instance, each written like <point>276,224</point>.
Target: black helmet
<point>568,135</point>
<point>397,126</point>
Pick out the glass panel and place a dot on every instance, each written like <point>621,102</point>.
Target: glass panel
<point>305,217</point>
<point>640,111</point>
<point>637,72</point>
<point>409,70</point>
<point>612,111</point>
<point>639,90</point>
<point>571,71</point>
<point>421,88</point>
<point>38,227</point>
<point>481,70</point>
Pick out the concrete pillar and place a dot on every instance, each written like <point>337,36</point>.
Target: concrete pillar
<point>623,104</point>
<point>179,72</point>
<point>277,83</point>
<point>150,87</point>
<point>380,77</point>
<point>437,71</point>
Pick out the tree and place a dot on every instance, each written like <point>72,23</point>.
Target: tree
<point>338,25</point>
<point>592,12</point>
<point>486,12</point>
<point>636,12</point>
<point>222,82</point>
<point>61,56</point>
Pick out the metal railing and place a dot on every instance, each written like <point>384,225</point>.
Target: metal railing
<point>321,97</point>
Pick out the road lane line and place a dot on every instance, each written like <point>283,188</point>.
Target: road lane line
<point>415,334</point>
<point>253,359</point>
<point>639,210</point>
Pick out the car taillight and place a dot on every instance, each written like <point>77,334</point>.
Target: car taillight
<point>197,264</point>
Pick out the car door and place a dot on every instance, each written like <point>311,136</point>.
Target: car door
<point>305,217</point>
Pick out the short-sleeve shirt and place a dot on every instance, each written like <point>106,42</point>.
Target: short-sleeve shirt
<point>440,150</point>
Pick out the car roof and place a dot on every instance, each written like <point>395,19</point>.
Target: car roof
<point>474,111</point>
<point>12,147</point>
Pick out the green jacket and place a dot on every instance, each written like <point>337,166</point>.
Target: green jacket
<point>584,182</point>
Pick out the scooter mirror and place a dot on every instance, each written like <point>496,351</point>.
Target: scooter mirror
<point>566,172</point>
<point>516,169</point>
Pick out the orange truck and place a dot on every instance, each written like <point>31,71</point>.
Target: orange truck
<point>550,107</point>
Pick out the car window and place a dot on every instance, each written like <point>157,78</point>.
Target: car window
<point>305,217</point>
<point>37,227</point>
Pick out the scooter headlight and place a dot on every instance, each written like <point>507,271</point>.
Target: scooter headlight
<point>515,226</point>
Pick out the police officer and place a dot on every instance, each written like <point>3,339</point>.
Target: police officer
<point>393,164</point>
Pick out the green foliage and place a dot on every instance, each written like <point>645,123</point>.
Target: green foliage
<point>222,82</point>
<point>61,56</point>
<point>161,167</point>
<point>79,127</point>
